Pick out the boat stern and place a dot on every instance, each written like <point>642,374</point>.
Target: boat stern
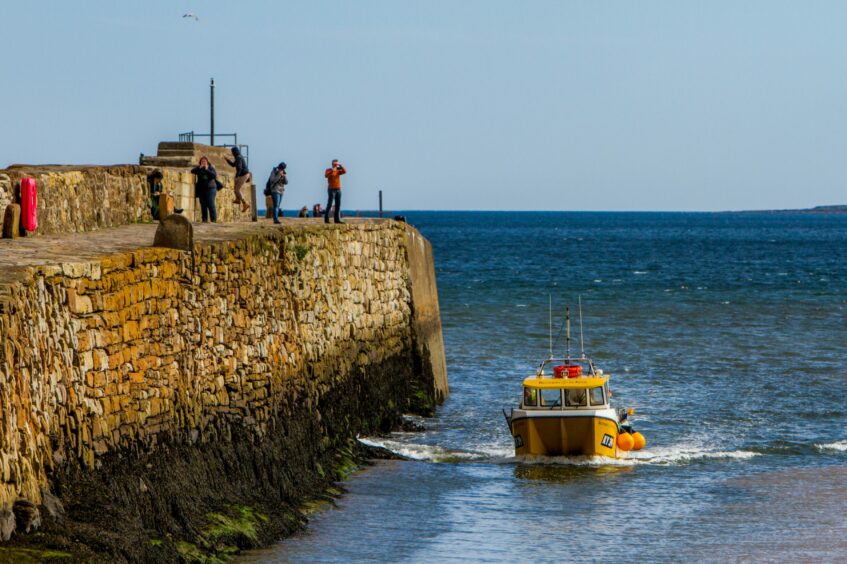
<point>554,434</point>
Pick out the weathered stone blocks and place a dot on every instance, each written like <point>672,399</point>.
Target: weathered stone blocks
<point>132,350</point>
<point>87,198</point>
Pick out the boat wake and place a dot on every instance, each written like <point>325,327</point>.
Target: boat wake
<point>837,446</point>
<point>685,454</point>
<point>435,453</point>
<point>671,455</point>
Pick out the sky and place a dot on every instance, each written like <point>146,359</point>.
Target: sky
<point>450,105</point>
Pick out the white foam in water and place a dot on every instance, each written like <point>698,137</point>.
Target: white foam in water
<point>687,453</point>
<point>838,446</point>
<point>659,456</point>
<point>435,453</point>
<point>505,455</point>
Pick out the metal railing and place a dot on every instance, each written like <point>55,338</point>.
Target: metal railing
<point>189,137</point>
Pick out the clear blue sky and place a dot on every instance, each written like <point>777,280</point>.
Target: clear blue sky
<point>451,104</point>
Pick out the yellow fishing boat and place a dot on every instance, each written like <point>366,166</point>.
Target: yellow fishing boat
<point>567,411</point>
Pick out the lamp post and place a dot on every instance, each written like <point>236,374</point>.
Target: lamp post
<point>212,113</point>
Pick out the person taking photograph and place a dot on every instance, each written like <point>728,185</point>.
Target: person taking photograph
<point>276,186</point>
<point>206,189</point>
<point>333,179</point>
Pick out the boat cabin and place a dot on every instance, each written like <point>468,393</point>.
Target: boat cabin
<point>566,388</point>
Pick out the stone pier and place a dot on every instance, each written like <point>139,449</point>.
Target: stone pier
<point>148,390</point>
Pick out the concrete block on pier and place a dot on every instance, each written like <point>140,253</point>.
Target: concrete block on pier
<point>175,232</point>
<point>166,206</point>
<point>12,221</point>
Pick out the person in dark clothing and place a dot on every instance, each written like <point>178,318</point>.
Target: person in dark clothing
<point>276,186</point>
<point>333,180</point>
<point>206,188</point>
<point>154,182</point>
<point>242,176</point>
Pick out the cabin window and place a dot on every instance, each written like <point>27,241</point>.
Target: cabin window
<point>597,396</point>
<point>551,398</point>
<point>530,397</point>
<point>576,397</point>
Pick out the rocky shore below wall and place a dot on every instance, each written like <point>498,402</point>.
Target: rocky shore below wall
<point>160,405</point>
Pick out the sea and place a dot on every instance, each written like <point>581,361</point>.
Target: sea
<point>726,332</point>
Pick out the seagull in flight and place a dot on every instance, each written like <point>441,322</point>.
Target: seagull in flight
<point>191,15</point>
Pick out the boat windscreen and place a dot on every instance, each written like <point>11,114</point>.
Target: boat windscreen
<point>551,398</point>
<point>597,396</point>
<point>575,397</point>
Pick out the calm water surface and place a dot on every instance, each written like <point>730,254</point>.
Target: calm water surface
<point>727,334</point>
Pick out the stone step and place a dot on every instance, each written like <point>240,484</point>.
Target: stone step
<point>176,145</point>
<point>187,161</point>
<point>175,153</point>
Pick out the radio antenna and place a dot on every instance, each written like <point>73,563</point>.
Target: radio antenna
<point>550,324</point>
<point>581,343</point>
<point>568,324</point>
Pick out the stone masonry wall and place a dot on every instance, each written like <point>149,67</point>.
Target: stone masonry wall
<point>131,351</point>
<point>77,199</point>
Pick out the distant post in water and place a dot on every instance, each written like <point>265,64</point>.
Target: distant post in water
<point>212,112</point>
<point>380,203</point>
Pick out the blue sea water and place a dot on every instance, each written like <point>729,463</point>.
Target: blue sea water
<point>725,332</point>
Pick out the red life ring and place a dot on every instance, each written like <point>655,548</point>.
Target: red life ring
<point>572,371</point>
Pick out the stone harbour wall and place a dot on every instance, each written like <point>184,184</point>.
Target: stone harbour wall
<point>106,361</point>
<point>73,199</point>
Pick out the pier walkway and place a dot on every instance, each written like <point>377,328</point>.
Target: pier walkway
<point>18,254</point>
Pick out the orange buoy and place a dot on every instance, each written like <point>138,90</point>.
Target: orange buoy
<point>638,441</point>
<point>574,371</point>
<point>625,441</point>
<point>558,371</point>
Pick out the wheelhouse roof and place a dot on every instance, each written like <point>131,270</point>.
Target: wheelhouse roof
<point>565,383</point>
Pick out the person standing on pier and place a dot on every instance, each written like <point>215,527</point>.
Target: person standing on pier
<point>333,179</point>
<point>154,181</point>
<point>206,188</point>
<point>276,186</point>
<point>242,176</point>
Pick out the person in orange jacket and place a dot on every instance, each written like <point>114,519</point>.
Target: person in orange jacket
<point>333,180</point>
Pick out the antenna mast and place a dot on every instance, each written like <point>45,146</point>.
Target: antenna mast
<point>581,343</point>
<point>568,339</point>
<point>550,323</point>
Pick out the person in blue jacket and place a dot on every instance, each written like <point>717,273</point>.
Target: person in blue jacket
<point>275,188</point>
